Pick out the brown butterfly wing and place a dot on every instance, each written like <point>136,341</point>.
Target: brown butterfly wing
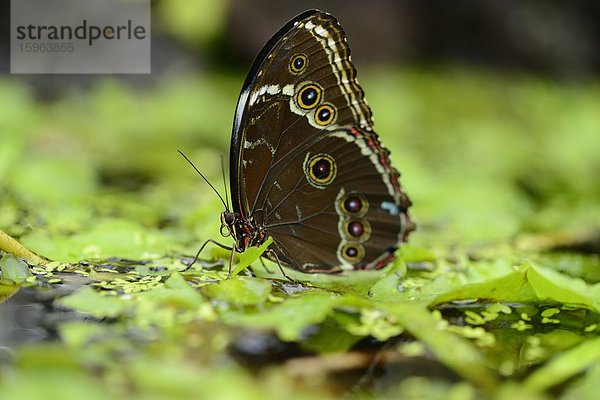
<point>306,166</point>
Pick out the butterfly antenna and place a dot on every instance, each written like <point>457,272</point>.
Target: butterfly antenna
<point>224,180</point>
<point>206,180</point>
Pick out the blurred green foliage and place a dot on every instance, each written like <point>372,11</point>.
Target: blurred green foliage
<point>500,169</point>
<point>194,22</point>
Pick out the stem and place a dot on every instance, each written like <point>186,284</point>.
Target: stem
<point>12,246</point>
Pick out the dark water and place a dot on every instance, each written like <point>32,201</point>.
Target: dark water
<point>30,316</point>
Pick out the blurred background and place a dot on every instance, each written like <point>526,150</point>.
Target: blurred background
<point>547,37</point>
<point>490,110</point>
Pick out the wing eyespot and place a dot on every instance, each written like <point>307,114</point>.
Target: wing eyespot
<point>320,170</point>
<point>352,252</point>
<point>357,230</point>
<point>308,96</point>
<point>325,114</point>
<point>354,204</point>
<point>298,64</point>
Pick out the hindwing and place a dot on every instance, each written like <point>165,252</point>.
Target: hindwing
<point>306,166</point>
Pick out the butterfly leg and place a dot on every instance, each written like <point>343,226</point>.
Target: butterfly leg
<point>265,265</point>
<point>231,262</point>
<point>202,248</point>
<point>280,267</point>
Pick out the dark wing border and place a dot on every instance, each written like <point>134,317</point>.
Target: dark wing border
<point>240,110</point>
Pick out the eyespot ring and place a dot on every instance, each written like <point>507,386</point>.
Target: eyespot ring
<point>351,252</point>
<point>308,96</point>
<point>325,114</point>
<point>354,204</point>
<point>320,169</point>
<point>298,64</point>
<point>357,230</point>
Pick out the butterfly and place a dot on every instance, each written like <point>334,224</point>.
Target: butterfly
<point>306,167</point>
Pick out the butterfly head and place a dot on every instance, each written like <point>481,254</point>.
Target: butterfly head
<point>227,223</point>
<point>245,232</point>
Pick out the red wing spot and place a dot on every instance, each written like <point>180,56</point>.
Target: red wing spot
<point>384,161</point>
<point>375,146</point>
<point>371,143</point>
<point>385,261</point>
<point>355,132</point>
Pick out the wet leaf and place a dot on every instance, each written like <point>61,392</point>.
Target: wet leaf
<point>239,291</point>
<point>358,282</point>
<point>175,292</point>
<point>528,284</point>
<point>291,317</point>
<point>89,301</point>
<point>14,269</point>
<point>452,350</point>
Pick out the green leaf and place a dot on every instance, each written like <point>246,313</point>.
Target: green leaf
<point>89,301</point>
<point>552,286</point>
<point>239,291</point>
<point>330,337</point>
<point>512,287</point>
<point>451,349</point>
<point>565,365</point>
<point>176,292</point>
<point>249,256</point>
<point>387,288</point>
<point>358,282</point>
<point>526,284</point>
<point>587,387</point>
<point>292,316</point>
<point>14,269</point>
